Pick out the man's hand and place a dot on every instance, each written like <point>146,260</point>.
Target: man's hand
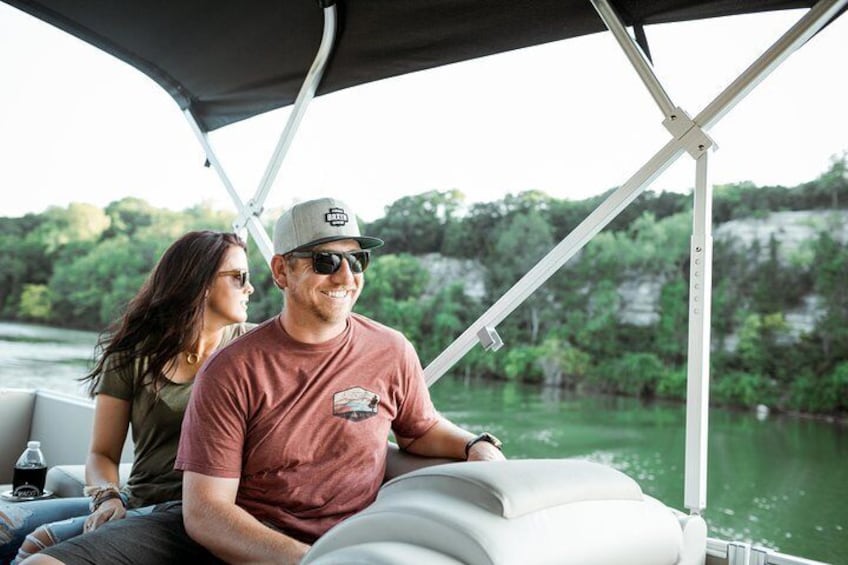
<point>112,509</point>
<point>485,451</point>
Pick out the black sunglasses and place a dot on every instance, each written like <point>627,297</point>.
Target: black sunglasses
<point>329,262</point>
<point>243,277</point>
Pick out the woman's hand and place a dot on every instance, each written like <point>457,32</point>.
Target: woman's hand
<point>112,509</point>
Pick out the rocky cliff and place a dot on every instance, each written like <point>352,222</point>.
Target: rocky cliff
<point>640,295</point>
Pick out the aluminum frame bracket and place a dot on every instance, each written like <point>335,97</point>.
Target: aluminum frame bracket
<point>690,135</point>
<point>489,338</point>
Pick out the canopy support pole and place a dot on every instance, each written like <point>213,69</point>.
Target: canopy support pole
<point>696,142</point>
<point>688,138</point>
<point>248,213</point>
<point>698,369</point>
<point>304,97</point>
<point>252,224</point>
<point>556,258</point>
<point>635,55</point>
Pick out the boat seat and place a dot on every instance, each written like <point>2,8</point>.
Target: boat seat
<point>399,462</point>
<point>62,423</point>
<point>67,481</point>
<point>520,511</point>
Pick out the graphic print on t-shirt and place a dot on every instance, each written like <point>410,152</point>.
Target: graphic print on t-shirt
<point>355,404</point>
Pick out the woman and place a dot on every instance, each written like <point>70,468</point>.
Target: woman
<point>193,303</point>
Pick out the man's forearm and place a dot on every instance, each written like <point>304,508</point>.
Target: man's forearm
<point>444,439</point>
<point>234,536</point>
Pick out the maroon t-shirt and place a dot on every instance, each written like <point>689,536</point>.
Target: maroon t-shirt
<point>305,426</point>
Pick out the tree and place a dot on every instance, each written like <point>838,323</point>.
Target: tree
<point>599,335</point>
<point>74,224</point>
<point>392,292</point>
<point>526,239</point>
<point>129,215</point>
<point>445,316</point>
<point>830,188</point>
<point>672,342</point>
<point>35,303</point>
<point>93,290</point>
<point>831,260</point>
<point>414,224</point>
<point>473,237</point>
<point>22,261</point>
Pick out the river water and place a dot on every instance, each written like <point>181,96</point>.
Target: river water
<point>778,481</point>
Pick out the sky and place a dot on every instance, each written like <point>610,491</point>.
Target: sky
<point>571,119</point>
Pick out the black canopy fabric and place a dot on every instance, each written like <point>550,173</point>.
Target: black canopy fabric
<point>227,61</point>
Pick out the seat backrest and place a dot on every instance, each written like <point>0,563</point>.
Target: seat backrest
<point>61,422</point>
<point>16,408</point>
<point>63,425</point>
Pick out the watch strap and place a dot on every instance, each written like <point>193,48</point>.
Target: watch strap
<point>485,436</point>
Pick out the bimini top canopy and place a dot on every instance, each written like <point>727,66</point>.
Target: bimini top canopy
<point>226,61</point>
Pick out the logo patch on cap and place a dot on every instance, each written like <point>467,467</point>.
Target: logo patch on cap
<point>336,217</point>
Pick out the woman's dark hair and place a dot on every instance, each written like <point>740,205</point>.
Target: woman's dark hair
<point>166,315</point>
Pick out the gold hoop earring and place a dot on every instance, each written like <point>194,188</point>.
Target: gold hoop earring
<point>192,358</point>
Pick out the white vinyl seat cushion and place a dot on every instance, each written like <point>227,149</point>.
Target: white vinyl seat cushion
<point>385,553</point>
<point>68,481</point>
<point>520,511</point>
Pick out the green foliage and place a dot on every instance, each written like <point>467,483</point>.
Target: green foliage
<point>95,288</point>
<point>22,261</point>
<point>830,190</point>
<point>526,239</point>
<point>78,266</point>
<point>394,277</point>
<point>78,223</point>
<point>760,348</point>
<point>445,316</point>
<point>522,364</point>
<point>266,300</point>
<point>415,224</point>
<point>831,260</point>
<point>393,286</point>
<point>129,215</point>
<point>471,238</point>
<point>634,374</point>
<point>599,334</point>
<point>673,383</point>
<point>672,342</point>
<point>740,388</point>
<point>834,392</point>
<point>35,303</point>
<point>562,363</point>
<point>826,393</point>
<point>743,200</point>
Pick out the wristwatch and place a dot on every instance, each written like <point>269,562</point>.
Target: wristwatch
<point>485,436</point>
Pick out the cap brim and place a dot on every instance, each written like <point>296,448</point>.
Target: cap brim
<point>364,242</point>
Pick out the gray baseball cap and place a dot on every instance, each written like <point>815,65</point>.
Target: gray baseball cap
<point>314,222</point>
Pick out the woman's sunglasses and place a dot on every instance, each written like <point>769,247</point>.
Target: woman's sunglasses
<point>329,262</point>
<point>243,277</point>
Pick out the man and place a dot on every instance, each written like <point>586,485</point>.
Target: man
<point>286,430</point>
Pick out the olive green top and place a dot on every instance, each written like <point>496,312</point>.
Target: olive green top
<point>155,421</point>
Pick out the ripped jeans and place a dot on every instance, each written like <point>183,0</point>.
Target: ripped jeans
<point>62,518</point>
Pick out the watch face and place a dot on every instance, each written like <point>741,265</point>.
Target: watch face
<point>486,436</point>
